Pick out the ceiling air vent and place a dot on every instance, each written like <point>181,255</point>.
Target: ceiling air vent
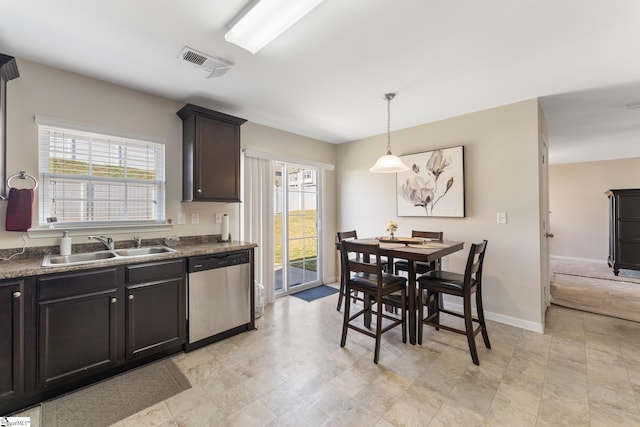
<point>213,66</point>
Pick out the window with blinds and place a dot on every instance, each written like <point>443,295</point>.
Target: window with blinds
<point>91,178</point>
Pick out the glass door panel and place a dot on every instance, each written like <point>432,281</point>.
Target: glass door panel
<point>278,231</point>
<point>296,227</point>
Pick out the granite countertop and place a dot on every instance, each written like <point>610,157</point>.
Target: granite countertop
<point>30,264</point>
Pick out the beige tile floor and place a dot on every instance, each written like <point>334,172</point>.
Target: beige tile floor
<point>291,371</point>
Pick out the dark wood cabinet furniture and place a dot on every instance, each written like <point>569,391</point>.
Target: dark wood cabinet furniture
<point>78,328</point>
<point>12,339</point>
<point>155,314</point>
<point>211,155</point>
<point>624,229</point>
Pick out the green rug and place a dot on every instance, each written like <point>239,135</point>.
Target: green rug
<point>116,398</point>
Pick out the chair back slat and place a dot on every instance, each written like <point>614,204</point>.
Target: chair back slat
<point>475,261</point>
<point>433,235</point>
<point>345,235</point>
<point>360,264</point>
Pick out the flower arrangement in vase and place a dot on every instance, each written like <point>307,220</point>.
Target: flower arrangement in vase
<point>392,226</point>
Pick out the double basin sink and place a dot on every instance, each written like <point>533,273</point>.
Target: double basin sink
<point>88,257</point>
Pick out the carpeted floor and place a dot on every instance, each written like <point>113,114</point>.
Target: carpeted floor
<point>114,399</point>
<point>592,286</point>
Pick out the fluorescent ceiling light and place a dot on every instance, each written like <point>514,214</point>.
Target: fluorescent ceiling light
<point>266,20</point>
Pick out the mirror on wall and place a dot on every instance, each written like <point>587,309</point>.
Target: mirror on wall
<point>8,71</point>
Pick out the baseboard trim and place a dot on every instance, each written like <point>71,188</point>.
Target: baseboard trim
<point>569,258</point>
<point>500,318</point>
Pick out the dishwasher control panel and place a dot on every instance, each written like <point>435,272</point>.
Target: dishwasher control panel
<point>210,262</point>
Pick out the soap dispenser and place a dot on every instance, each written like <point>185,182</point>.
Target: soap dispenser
<point>65,244</point>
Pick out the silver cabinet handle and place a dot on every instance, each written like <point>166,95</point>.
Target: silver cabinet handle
<point>17,294</point>
<point>199,190</point>
<point>131,297</point>
<point>114,300</point>
<point>548,234</point>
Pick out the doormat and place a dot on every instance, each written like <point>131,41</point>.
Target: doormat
<point>315,293</point>
<point>116,398</point>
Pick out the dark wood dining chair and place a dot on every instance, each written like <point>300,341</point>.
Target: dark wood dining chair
<point>352,235</point>
<point>421,267</point>
<point>376,286</point>
<point>438,282</point>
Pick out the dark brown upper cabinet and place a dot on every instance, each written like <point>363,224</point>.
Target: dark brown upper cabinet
<point>210,155</point>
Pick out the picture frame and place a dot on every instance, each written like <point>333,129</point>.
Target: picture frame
<point>434,184</point>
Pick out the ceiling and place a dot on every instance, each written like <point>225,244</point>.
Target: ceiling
<point>325,77</point>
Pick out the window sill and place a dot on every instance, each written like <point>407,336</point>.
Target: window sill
<point>47,232</point>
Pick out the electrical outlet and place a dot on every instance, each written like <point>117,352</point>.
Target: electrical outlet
<point>218,218</point>
<point>195,218</point>
<point>182,218</point>
<point>501,218</point>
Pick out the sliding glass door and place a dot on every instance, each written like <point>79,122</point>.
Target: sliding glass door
<point>296,219</point>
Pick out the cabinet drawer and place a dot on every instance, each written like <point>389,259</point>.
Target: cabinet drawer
<point>629,229</point>
<point>151,271</point>
<point>629,206</point>
<point>77,283</point>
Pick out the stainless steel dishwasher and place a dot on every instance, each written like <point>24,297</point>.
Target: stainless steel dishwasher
<point>219,297</point>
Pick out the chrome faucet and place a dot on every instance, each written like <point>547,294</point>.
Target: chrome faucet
<point>107,241</point>
<point>138,241</point>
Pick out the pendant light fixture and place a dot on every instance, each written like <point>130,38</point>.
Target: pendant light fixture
<point>388,163</point>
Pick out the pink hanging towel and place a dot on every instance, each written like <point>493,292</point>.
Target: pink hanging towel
<point>19,209</point>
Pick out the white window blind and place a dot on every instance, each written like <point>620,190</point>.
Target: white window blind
<point>91,178</point>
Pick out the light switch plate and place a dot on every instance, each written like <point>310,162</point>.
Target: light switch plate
<point>218,218</point>
<point>182,218</point>
<point>195,218</point>
<point>501,218</point>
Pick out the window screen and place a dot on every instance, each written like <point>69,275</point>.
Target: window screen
<point>90,178</point>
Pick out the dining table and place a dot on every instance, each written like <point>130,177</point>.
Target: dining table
<point>412,250</point>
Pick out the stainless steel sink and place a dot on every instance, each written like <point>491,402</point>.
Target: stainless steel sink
<point>90,257</point>
<point>77,258</point>
<point>150,250</point>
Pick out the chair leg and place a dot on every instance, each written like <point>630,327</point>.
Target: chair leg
<point>341,293</point>
<point>367,301</point>
<point>376,354</point>
<point>404,315</point>
<point>468,326</point>
<point>437,306</point>
<point>347,308</point>
<point>421,316</point>
<point>480,309</point>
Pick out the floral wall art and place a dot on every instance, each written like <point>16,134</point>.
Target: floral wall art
<point>433,185</point>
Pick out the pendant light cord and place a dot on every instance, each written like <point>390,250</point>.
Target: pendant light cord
<point>389,97</point>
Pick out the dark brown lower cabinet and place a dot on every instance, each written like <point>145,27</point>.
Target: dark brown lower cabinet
<point>155,317</point>
<point>77,325</point>
<point>12,309</point>
<point>62,331</point>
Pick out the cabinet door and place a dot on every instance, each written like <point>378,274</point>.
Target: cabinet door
<point>77,325</point>
<point>217,158</point>
<point>155,318</point>
<point>11,339</point>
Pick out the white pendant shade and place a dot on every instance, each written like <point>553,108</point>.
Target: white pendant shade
<point>389,164</point>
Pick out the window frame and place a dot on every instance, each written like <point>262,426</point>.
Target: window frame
<point>45,124</point>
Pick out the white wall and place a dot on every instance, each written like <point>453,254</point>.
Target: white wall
<point>579,208</point>
<point>42,90</point>
<point>501,174</point>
